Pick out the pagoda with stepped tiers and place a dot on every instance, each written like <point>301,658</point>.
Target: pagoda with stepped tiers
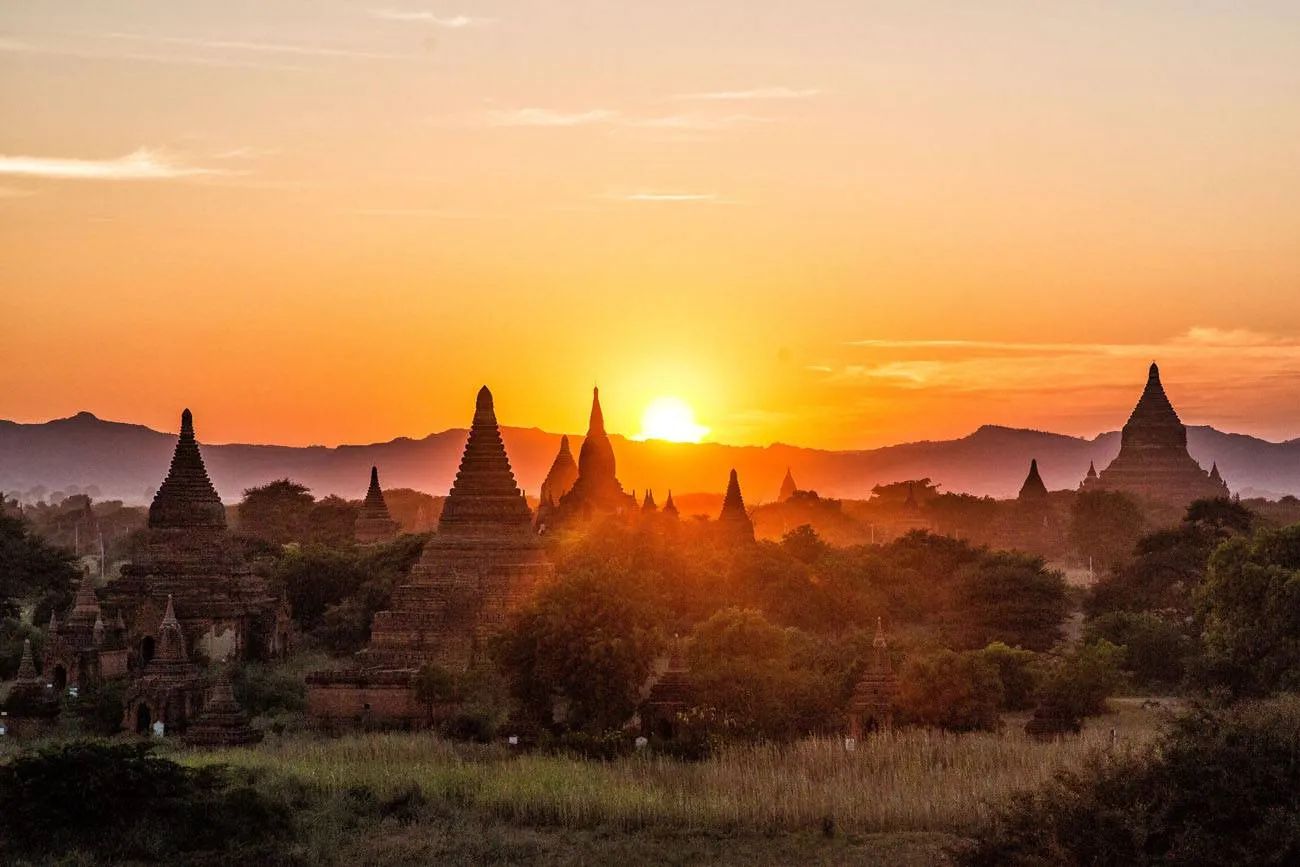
<point>734,521</point>
<point>872,706</point>
<point>186,553</point>
<point>168,690</point>
<point>374,524</point>
<point>82,649</point>
<point>222,723</point>
<point>1153,461</point>
<point>788,487</point>
<point>484,561</point>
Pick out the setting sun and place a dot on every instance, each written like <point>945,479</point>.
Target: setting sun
<point>671,419</point>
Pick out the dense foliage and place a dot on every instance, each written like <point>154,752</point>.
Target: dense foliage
<point>1221,789</point>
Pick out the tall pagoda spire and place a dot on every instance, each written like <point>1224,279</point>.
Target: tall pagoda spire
<point>788,487</point>
<point>86,605</point>
<point>484,497</point>
<point>733,513</point>
<point>648,505</point>
<point>27,667</point>
<point>670,508</point>
<point>186,499</point>
<point>373,523</point>
<point>596,457</point>
<point>171,641</point>
<point>1033,489</point>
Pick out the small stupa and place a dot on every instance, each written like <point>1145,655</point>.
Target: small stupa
<point>222,722</point>
<point>734,520</point>
<point>788,487</point>
<point>374,523</point>
<point>1033,490</point>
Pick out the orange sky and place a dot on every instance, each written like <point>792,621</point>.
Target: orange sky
<point>836,223</point>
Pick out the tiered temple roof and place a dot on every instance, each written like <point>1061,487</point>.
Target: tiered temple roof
<point>373,523</point>
<point>168,689</point>
<point>734,519</point>
<point>222,722</point>
<point>1153,461</point>
<point>29,697</point>
<point>187,553</point>
<point>648,506</point>
<point>872,704</point>
<point>484,560</point>
<point>484,498</point>
<point>788,487</point>
<point>186,499</point>
<point>1033,490</point>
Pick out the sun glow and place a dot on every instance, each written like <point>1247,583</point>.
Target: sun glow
<point>671,419</point>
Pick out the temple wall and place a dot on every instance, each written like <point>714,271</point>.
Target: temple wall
<point>364,703</point>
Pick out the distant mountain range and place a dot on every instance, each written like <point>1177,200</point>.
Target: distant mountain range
<point>113,460</point>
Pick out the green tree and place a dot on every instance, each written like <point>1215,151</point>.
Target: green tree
<point>1009,597</point>
<point>278,512</point>
<point>954,691</point>
<point>1104,526</point>
<point>583,643</point>
<point>1156,649</point>
<point>1016,673</point>
<point>1077,684</point>
<point>31,569</point>
<point>1249,604</point>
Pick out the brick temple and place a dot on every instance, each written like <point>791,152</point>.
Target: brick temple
<point>485,560</point>
<point>186,553</point>
<point>374,523</point>
<point>1153,461</point>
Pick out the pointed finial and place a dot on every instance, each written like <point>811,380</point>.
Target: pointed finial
<point>187,424</point>
<point>597,422</point>
<point>169,615</point>
<point>374,477</point>
<point>1154,373</point>
<point>484,400</point>
<point>54,622</point>
<point>27,667</point>
<point>879,640</point>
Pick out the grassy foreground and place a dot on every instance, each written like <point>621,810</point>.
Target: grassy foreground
<point>899,798</point>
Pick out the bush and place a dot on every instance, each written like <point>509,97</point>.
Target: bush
<point>1016,673</point>
<point>955,691</point>
<point>1221,789</point>
<point>262,688</point>
<point>1077,686</point>
<point>119,802</point>
<point>1155,649</point>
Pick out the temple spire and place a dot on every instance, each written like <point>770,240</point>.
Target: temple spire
<point>86,606</point>
<point>563,473</point>
<point>484,497</point>
<point>880,650</point>
<point>373,523</point>
<point>171,641</point>
<point>186,499</point>
<point>648,505</point>
<point>597,423</point>
<point>733,509</point>
<point>1033,489</point>
<point>670,508</point>
<point>27,667</point>
<point>788,487</point>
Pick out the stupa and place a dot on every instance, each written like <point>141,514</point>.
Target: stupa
<point>670,508</point>
<point>374,524</point>
<point>669,697</point>
<point>563,473</point>
<point>1153,461</point>
<point>788,487</point>
<point>485,560</point>
<point>187,554</point>
<point>596,491</point>
<point>1033,490</point>
<point>32,704</point>
<point>222,722</point>
<point>648,506</point>
<point>872,704</point>
<point>734,520</point>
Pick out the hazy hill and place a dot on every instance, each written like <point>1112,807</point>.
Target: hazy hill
<point>126,461</point>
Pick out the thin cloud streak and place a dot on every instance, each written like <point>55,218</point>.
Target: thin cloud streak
<point>13,46</point>
<point>664,196</point>
<point>757,93</point>
<point>545,117</point>
<point>449,22</point>
<point>141,165</point>
<point>257,47</point>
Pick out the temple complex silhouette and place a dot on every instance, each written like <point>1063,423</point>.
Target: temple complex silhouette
<point>1153,461</point>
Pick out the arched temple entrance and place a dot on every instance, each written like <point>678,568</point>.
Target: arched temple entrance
<point>143,719</point>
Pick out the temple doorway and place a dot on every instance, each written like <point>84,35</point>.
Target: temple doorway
<point>143,720</point>
<point>146,650</point>
<point>60,679</point>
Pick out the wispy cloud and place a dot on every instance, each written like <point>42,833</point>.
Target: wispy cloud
<point>142,165</point>
<point>664,196</point>
<point>449,22</point>
<point>697,122</point>
<point>545,117</point>
<point>757,93</point>
<point>253,47</point>
<point>14,46</point>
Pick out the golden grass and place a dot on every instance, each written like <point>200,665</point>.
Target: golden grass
<point>907,780</point>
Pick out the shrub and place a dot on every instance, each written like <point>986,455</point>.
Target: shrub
<point>1221,789</point>
<point>1155,649</point>
<point>1016,673</point>
<point>954,691</point>
<point>119,802</point>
